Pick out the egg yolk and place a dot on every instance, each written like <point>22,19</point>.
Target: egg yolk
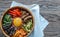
<point>17,22</point>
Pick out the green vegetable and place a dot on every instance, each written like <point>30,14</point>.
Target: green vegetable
<point>7,21</point>
<point>28,26</point>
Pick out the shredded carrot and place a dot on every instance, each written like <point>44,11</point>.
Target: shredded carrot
<point>15,12</point>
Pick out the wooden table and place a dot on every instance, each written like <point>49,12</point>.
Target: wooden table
<point>50,9</point>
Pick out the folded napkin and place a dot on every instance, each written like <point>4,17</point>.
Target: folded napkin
<point>40,22</point>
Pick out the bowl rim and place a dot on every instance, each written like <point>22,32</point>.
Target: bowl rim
<point>19,7</point>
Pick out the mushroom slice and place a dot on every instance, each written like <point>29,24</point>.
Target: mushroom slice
<point>25,15</point>
<point>23,12</point>
<point>28,17</point>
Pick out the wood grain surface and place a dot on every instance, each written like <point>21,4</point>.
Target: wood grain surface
<point>50,10</point>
